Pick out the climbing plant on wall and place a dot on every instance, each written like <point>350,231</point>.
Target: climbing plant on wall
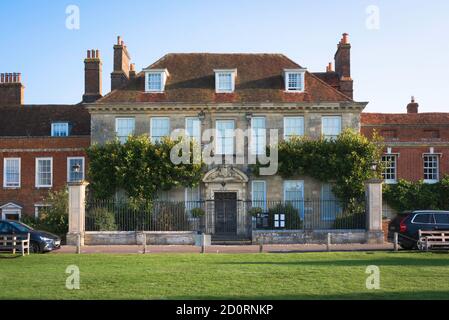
<point>139,167</point>
<point>345,161</point>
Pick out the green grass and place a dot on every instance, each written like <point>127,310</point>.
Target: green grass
<point>411,275</point>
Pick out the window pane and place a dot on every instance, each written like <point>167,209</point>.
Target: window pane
<point>293,126</point>
<point>12,172</point>
<point>423,218</point>
<point>154,82</point>
<point>193,129</point>
<point>160,128</point>
<point>192,198</point>
<point>441,218</point>
<point>224,81</point>
<point>389,174</point>
<point>293,194</point>
<point>225,137</point>
<point>44,174</point>
<point>331,127</point>
<point>76,176</point>
<point>294,81</point>
<point>330,205</point>
<point>259,194</point>
<point>431,170</point>
<point>125,128</point>
<point>60,129</point>
<point>258,135</point>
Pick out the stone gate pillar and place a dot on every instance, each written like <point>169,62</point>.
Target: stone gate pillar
<point>77,212</point>
<point>373,192</point>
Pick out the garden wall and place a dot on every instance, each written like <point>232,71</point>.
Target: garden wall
<point>316,236</point>
<point>136,238</point>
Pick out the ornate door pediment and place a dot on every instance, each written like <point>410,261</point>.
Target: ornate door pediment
<point>227,174</point>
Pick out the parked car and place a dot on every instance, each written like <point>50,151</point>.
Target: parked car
<point>40,241</point>
<point>408,226</point>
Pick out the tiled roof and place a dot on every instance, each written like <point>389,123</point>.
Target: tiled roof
<point>405,119</point>
<point>259,79</point>
<point>35,120</point>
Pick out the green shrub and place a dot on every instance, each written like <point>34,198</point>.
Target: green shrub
<point>197,212</point>
<point>255,211</point>
<point>350,221</point>
<point>292,218</point>
<point>102,219</point>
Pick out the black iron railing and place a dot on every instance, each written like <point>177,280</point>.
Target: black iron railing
<point>216,216</point>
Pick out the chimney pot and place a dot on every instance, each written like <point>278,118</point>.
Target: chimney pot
<point>97,53</point>
<point>119,40</point>
<point>88,54</point>
<point>412,107</point>
<point>345,39</point>
<point>19,77</point>
<point>2,77</point>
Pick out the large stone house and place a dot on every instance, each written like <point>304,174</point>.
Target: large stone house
<point>200,91</point>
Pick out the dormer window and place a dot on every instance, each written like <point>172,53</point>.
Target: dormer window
<point>225,80</point>
<point>59,129</point>
<point>294,80</point>
<point>155,80</point>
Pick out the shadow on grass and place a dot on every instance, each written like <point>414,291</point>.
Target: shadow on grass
<point>9,256</point>
<point>361,295</point>
<point>389,261</point>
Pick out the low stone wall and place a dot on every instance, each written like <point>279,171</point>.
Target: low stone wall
<point>134,238</point>
<point>316,236</point>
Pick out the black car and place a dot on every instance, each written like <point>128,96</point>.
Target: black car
<point>408,226</point>
<point>40,241</point>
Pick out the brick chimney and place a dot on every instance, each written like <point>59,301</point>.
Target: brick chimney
<point>132,71</point>
<point>329,67</point>
<point>92,76</point>
<point>11,89</point>
<point>120,75</point>
<point>343,65</point>
<point>412,107</point>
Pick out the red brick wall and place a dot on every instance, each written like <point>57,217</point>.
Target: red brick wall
<point>411,142</point>
<point>28,149</point>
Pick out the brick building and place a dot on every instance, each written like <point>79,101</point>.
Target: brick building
<point>40,145</point>
<point>417,144</point>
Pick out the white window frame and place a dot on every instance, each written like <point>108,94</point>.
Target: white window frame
<point>223,147</point>
<point>301,73</point>
<point>117,120</point>
<point>195,119</point>
<point>163,74</point>
<point>287,137</point>
<point>340,124</point>
<point>254,202</point>
<point>437,156</point>
<point>5,182</point>
<point>301,182</point>
<point>158,138</point>
<point>384,174</point>
<point>60,123</point>
<point>332,199</point>
<point>197,203</point>
<point>256,138</point>
<point>219,72</point>
<point>69,167</point>
<point>37,172</point>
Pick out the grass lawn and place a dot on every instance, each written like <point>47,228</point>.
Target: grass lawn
<point>227,276</point>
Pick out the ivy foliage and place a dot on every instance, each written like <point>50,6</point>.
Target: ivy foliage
<point>409,196</point>
<point>139,167</point>
<point>345,161</point>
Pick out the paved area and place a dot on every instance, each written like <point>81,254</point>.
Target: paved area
<point>226,249</point>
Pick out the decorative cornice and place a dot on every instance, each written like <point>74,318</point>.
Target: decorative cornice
<point>301,106</point>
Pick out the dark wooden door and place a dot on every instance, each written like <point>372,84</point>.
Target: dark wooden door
<point>226,213</point>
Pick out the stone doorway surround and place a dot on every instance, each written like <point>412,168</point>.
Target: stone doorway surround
<point>226,178</point>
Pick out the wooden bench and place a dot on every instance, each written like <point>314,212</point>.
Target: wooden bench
<point>15,242</point>
<point>433,239</point>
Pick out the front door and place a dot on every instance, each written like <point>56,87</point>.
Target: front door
<point>226,213</point>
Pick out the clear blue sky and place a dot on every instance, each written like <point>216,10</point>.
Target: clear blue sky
<point>407,55</point>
